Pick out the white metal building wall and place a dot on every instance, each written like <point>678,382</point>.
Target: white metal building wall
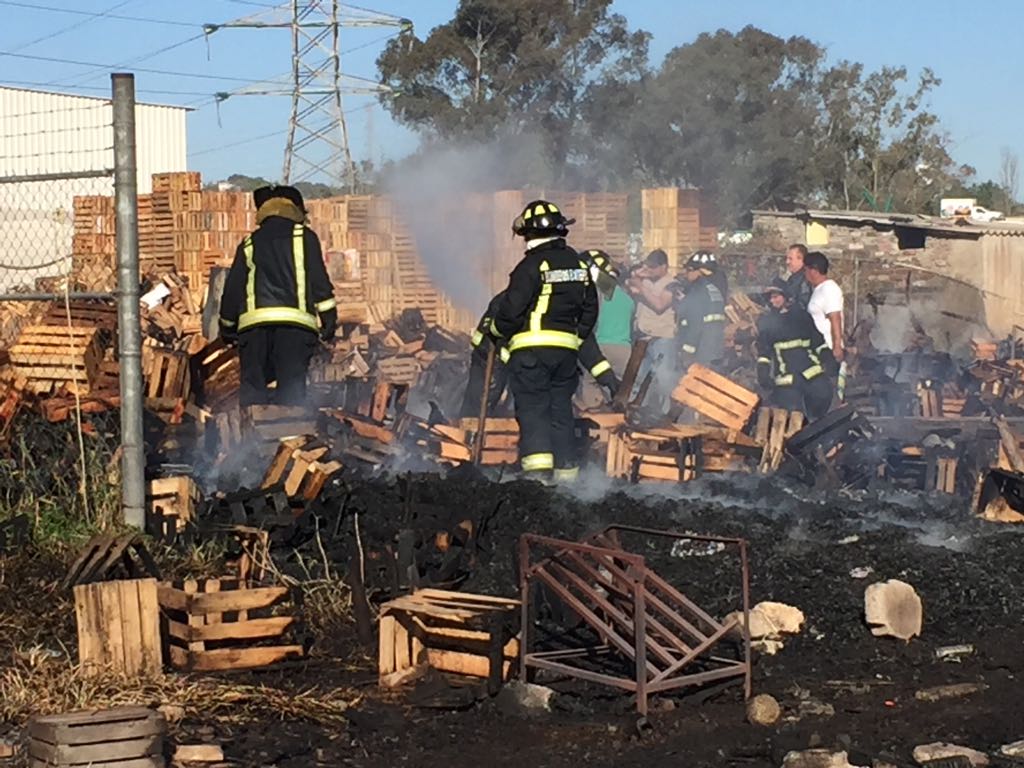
<point>43,132</point>
<point>54,133</point>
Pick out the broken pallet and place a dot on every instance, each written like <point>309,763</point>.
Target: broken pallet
<point>715,397</point>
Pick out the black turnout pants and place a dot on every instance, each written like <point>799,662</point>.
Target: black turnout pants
<point>543,380</point>
<point>813,398</point>
<point>475,386</point>
<point>278,353</point>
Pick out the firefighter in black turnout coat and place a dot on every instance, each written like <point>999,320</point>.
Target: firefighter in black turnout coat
<point>700,314</point>
<point>277,300</point>
<point>793,358</point>
<point>550,304</point>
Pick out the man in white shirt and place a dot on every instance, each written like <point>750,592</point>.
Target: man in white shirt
<point>826,304</point>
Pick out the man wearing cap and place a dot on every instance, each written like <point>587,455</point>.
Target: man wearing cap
<point>701,314</point>
<point>793,358</point>
<point>652,288</point>
<point>277,300</point>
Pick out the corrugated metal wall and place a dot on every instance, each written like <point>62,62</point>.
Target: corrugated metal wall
<point>57,133</point>
<point>52,133</point>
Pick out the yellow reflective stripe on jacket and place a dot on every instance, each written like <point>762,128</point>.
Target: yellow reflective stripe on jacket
<point>476,338</point>
<point>600,368</point>
<point>813,372</point>
<point>286,315</point>
<point>562,339</point>
<point>793,344</point>
<point>228,323</point>
<point>688,349</point>
<point>299,256</point>
<point>784,381</point>
<point>714,318</point>
<point>250,281</point>
<point>764,360</point>
<point>504,354</point>
<point>543,300</point>
<point>537,462</point>
<point>323,306</point>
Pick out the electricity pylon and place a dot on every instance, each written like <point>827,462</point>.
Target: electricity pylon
<point>318,141</point>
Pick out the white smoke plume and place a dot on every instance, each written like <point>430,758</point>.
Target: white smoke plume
<point>445,195</point>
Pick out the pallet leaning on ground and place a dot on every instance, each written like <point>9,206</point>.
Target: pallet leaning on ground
<point>715,397</point>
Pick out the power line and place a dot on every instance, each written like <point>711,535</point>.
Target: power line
<point>172,73</point>
<point>91,17</point>
<point>102,14</point>
<point>102,88</point>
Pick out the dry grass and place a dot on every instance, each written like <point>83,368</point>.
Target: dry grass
<point>40,686</point>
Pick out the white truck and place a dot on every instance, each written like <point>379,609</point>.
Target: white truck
<point>967,208</point>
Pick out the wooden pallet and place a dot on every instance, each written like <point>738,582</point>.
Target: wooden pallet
<point>125,737</point>
<point>167,378</point>
<point>715,397</point>
<point>118,628</point>
<point>218,624</point>
<point>302,465</point>
<point>501,440</point>
<point>679,453</point>
<point>46,355</point>
<point>173,503</point>
<point>456,632</point>
<point>106,557</point>
<point>774,427</point>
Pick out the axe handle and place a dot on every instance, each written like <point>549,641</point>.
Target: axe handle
<point>481,425</point>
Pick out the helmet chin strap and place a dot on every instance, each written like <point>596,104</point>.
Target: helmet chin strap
<point>531,244</point>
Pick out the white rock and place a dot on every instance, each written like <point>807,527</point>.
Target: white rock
<point>816,758</point>
<point>939,750</point>
<point>1016,749</point>
<point>527,696</point>
<point>771,620</point>
<point>893,609</point>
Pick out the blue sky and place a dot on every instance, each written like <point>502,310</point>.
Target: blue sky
<point>975,48</point>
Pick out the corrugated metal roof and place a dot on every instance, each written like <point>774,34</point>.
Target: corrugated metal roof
<point>908,220</point>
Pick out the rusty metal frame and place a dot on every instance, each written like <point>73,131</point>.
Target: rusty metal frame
<point>636,614</point>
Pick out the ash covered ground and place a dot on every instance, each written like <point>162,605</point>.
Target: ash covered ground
<point>838,685</point>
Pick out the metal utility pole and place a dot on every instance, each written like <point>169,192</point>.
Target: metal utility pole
<point>129,328</point>
<point>318,141</point>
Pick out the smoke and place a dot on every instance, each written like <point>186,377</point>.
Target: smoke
<point>445,195</point>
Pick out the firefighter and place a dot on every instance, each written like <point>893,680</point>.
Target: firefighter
<point>700,314</point>
<point>793,358</point>
<point>482,342</point>
<point>550,304</point>
<point>277,300</point>
<point>592,356</point>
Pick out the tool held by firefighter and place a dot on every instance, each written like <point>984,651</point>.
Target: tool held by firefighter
<point>549,306</point>
<point>794,363</point>
<point>483,342</point>
<point>700,314</point>
<point>278,302</point>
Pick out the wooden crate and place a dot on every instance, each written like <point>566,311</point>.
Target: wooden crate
<point>125,737</point>
<point>172,502</point>
<point>119,627</point>
<point>302,466</point>
<point>774,427</point>
<point>501,440</point>
<point>218,624</point>
<point>679,453</point>
<point>455,632</point>
<point>48,354</point>
<point>715,397</point>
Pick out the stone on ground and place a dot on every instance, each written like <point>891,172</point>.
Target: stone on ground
<point>893,609</point>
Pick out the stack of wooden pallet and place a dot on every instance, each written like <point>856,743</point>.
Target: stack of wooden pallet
<point>672,222</point>
<point>679,453</point>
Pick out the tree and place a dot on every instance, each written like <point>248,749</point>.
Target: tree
<point>1009,178</point>
<point>505,68</point>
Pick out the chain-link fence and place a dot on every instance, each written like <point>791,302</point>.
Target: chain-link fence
<point>60,371</point>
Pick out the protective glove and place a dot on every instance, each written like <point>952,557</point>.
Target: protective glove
<point>228,334</point>
<point>764,374</point>
<point>609,383</point>
<point>828,362</point>
<point>328,324</point>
